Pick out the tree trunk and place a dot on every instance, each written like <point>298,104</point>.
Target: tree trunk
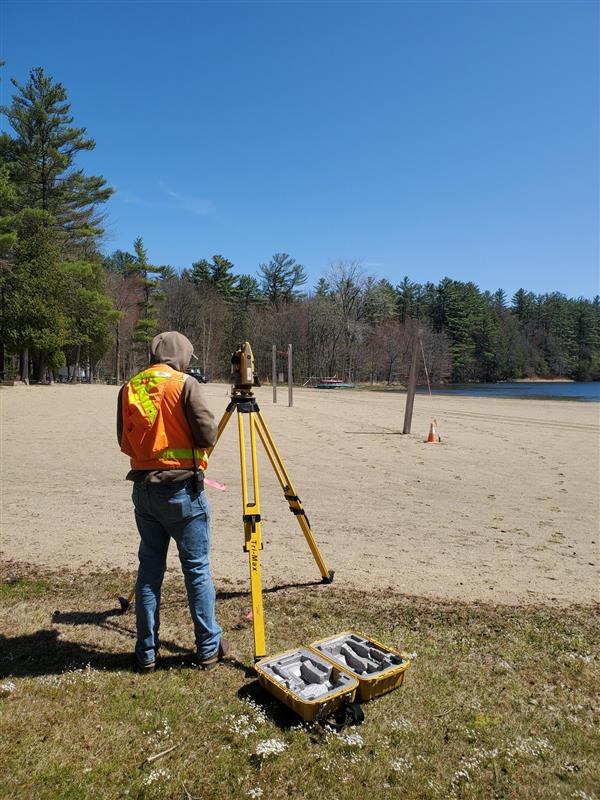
<point>40,367</point>
<point>24,365</point>
<point>75,374</point>
<point>118,353</point>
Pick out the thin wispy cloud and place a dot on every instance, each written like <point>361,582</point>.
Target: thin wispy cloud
<point>130,199</point>
<point>193,205</point>
<point>197,206</point>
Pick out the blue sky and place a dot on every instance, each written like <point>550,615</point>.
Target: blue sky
<point>427,139</point>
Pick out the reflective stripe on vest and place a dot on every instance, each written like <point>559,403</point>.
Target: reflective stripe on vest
<point>170,454</point>
<point>138,392</point>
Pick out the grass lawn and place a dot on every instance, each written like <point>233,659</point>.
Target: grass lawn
<point>500,702</point>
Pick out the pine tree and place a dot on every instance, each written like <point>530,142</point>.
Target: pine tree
<point>281,279</point>
<point>120,263</point>
<point>499,298</point>
<point>523,305</point>
<point>379,301</point>
<point>322,289</point>
<point>90,312</point>
<point>8,207</point>
<point>217,274</point>
<point>222,277</point>
<point>200,273</point>
<point>35,319</point>
<point>406,299</point>
<point>8,240</point>
<point>587,332</point>
<point>150,276</point>
<point>42,161</point>
<point>247,291</point>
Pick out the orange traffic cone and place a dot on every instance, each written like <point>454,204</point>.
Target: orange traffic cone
<point>433,437</point>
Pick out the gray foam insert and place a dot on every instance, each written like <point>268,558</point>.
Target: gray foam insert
<point>307,675</point>
<point>359,654</point>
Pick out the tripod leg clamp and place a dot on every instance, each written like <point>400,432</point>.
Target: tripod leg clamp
<point>252,519</point>
<point>300,512</point>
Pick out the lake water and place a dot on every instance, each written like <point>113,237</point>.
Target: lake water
<point>588,392</point>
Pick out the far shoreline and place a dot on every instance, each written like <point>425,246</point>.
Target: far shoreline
<point>543,380</point>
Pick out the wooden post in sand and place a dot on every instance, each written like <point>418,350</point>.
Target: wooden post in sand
<point>290,377</point>
<point>274,371</point>
<point>412,386</point>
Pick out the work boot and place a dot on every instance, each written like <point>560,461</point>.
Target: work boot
<point>143,667</point>
<point>212,661</point>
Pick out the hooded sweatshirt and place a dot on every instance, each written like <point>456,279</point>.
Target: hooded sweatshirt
<point>175,350</point>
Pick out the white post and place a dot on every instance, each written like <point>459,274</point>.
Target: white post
<point>274,371</point>
<point>290,377</point>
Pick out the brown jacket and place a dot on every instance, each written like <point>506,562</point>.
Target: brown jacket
<point>174,349</point>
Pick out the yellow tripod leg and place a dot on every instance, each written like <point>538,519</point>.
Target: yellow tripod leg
<point>291,496</point>
<point>221,427</point>
<point>252,534</point>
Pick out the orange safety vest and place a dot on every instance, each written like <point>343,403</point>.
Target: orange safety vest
<point>156,433</point>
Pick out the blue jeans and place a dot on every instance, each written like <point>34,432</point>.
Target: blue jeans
<point>163,511</point>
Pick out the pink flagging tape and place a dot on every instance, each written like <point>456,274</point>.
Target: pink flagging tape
<point>215,485</point>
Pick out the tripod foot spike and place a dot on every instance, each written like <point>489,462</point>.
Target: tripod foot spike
<point>125,604</point>
<point>329,578</point>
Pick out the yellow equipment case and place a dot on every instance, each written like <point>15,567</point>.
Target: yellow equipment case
<point>377,668</point>
<point>308,683</point>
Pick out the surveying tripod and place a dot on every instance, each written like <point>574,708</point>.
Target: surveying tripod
<point>244,403</point>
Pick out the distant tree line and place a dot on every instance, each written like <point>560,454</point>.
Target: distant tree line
<point>64,306</point>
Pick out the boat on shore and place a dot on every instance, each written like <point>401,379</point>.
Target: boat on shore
<point>333,383</point>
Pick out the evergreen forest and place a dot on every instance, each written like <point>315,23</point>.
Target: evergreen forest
<point>70,311</point>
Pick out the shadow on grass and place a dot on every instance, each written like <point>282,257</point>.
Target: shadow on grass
<point>279,714</point>
<point>269,590</point>
<point>45,652</point>
<point>285,718</point>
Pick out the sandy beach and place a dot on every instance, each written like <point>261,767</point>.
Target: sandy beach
<point>505,509</point>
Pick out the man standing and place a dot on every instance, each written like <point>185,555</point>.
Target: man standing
<point>165,426</point>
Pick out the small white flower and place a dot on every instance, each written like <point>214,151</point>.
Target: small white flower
<point>7,688</point>
<point>268,747</point>
<point>260,715</point>
<point>156,775</point>
<point>241,725</point>
<point>459,776</point>
<point>351,739</point>
<point>258,792</point>
<point>401,724</point>
<point>412,656</point>
<point>400,764</point>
